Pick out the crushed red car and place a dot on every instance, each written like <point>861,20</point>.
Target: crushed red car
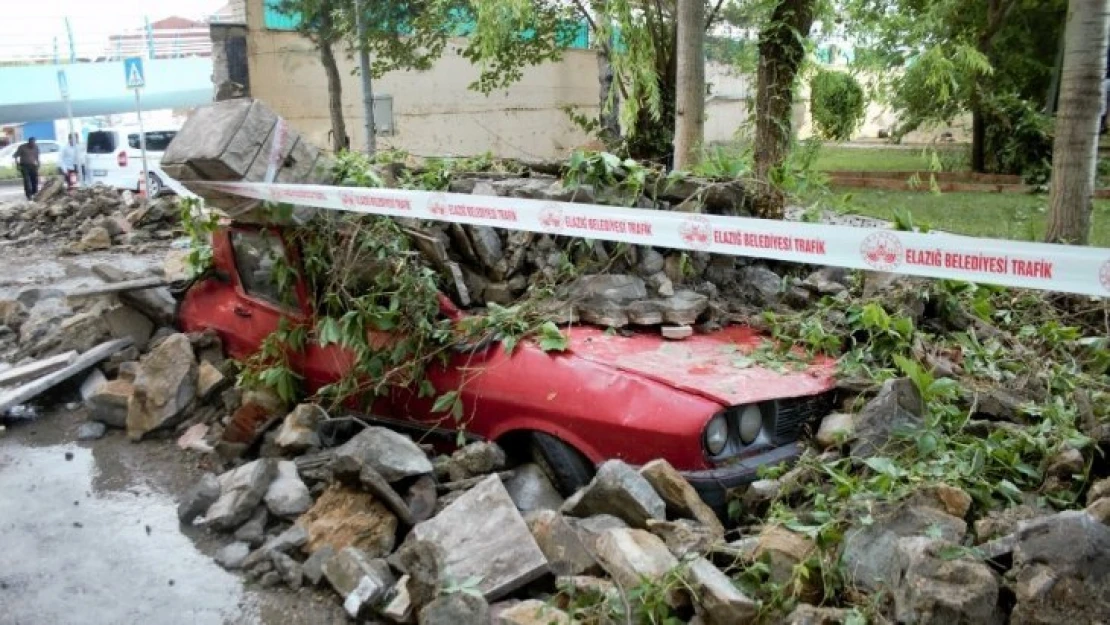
<point>700,403</point>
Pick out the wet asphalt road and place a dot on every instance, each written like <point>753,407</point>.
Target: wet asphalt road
<point>94,539</point>
<point>11,193</point>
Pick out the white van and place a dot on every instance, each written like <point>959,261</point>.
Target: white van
<point>114,157</point>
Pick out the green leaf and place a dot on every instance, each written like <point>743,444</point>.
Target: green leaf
<point>884,466</point>
<point>426,389</point>
<point>927,443</point>
<point>1009,490</point>
<point>444,402</point>
<point>327,331</point>
<point>551,339</point>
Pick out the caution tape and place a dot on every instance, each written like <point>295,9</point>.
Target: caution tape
<point>1043,266</point>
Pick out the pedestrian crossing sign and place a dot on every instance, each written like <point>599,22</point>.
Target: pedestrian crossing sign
<point>133,72</point>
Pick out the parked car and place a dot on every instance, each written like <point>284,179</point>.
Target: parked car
<point>114,157</point>
<point>714,415</point>
<point>49,152</point>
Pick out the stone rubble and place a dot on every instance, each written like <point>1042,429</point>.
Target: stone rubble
<point>90,218</point>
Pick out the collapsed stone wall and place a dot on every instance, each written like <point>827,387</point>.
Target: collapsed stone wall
<point>89,218</point>
<point>611,284</point>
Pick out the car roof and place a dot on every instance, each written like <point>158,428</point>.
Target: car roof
<point>148,129</point>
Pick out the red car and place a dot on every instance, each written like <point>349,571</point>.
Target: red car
<point>700,403</point>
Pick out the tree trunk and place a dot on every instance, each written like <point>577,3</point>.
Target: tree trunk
<point>609,115</point>
<point>690,83</point>
<point>781,52</point>
<point>335,98</point>
<point>335,84</point>
<point>1075,150</point>
<point>978,137</point>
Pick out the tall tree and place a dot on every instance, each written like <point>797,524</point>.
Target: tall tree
<point>315,20</point>
<point>1075,152</point>
<point>944,58</point>
<point>781,52</point>
<point>690,83</point>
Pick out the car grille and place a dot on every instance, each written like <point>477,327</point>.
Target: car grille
<point>793,414</point>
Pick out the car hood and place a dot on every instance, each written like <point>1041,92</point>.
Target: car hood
<point>731,366</point>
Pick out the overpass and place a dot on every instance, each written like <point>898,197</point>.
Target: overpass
<point>31,92</point>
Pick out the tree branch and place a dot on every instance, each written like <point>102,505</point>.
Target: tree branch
<point>586,14</point>
<point>996,17</point>
<point>713,14</point>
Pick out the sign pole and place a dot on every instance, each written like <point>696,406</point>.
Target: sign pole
<point>136,79</point>
<point>63,86</point>
<point>142,144</point>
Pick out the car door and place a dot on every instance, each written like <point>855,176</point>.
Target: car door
<point>259,307</point>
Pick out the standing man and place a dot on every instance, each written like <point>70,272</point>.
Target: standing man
<point>27,160</point>
<point>69,162</point>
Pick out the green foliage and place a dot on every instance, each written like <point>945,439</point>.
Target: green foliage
<point>355,169</point>
<point>647,603</point>
<point>799,175</point>
<point>836,103</point>
<point>511,35</point>
<point>937,60</point>
<point>373,296</point>
<point>727,162</point>
<point>408,34</point>
<point>1018,138</point>
<point>603,170</point>
<point>198,226</point>
<point>877,340</point>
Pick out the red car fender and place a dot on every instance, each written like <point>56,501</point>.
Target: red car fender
<point>527,425</point>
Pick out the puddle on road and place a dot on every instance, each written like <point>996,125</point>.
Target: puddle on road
<point>74,554</point>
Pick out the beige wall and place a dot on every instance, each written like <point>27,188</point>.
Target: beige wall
<point>434,113</point>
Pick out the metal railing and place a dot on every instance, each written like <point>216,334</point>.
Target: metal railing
<point>86,47</point>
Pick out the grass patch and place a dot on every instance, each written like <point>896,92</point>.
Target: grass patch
<point>995,215</point>
<point>8,173</point>
<point>834,158</point>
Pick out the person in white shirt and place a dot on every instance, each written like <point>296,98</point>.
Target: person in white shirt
<point>68,161</point>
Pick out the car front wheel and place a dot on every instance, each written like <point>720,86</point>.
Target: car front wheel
<point>564,465</point>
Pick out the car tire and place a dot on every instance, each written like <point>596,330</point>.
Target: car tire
<point>153,186</point>
<point>564,465</point>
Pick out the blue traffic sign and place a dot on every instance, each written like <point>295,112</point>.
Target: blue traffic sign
<point>133,72</point>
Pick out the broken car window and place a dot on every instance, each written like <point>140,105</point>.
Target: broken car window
<point>255,256</point>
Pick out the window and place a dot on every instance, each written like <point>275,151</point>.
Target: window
<point>255,256</point>
<point>101,142</point>
<point>156,141</point>
<point>159,140</point>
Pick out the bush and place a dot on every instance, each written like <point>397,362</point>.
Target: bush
<point>1018,139</point>
<point>836,103</point>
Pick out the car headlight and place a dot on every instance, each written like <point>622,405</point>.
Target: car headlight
<point>716,435</point>
<point>751,424</point>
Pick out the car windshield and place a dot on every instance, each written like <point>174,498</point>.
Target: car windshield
<point>101,142</point>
